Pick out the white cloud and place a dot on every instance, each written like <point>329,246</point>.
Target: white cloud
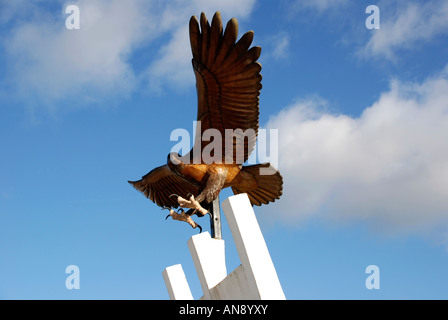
<point>280,45</point>
<point>389,166</point>
<point>406,25</point>
<point>276,46</point>
<point>47,62</point>
<point>173,67</point>
<point>319,5</point>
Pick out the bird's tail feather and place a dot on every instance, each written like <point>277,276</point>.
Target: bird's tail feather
<point>269,184</point>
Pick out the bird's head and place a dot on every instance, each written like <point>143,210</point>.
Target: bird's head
<point>174,161</point>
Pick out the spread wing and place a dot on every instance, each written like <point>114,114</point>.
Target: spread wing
<point>160,183</point>
<point>228,83</point>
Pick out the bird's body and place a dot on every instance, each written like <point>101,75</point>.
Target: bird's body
<point>228,83</point>
<point>202,172</point>
<point>211,178</point>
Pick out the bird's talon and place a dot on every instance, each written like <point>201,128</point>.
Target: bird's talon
<point>165,208</point>
<point>181,215</point>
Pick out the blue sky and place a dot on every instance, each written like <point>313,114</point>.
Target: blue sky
<point>362,117</point>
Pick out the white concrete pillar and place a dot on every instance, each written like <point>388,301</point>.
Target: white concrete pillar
<point>255,279</point>
<point>176,283</point>
<point>252,250</point>
<point>209,260</point>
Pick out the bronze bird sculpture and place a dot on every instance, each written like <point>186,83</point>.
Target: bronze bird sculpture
<point>228,83</point>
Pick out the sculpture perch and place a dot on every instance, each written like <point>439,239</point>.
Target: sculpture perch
<point>228,83</point>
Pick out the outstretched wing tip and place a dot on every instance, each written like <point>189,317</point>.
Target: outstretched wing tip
<point>193,19</point>
<point>134,183</point>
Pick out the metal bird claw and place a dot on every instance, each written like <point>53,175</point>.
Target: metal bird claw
<point>191,203</point>
<point>182,216</point>
<point>196,208</point>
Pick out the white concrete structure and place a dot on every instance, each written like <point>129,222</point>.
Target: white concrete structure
<point>209,260</point>
<point>176,283</point>
<point>256,277</point>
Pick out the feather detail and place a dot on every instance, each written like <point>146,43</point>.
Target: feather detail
<point>228,78</point>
